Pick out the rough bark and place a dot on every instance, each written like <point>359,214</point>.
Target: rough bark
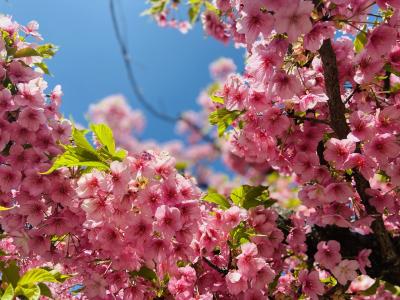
<point>386,252</point>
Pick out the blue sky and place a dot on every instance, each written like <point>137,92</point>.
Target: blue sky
<point>171,68</point>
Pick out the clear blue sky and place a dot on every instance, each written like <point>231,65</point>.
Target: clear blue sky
<point>171,68</point>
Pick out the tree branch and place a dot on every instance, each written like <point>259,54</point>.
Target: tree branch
<point>224,272</point>
<point>135,87</point>
<point>388,252</point>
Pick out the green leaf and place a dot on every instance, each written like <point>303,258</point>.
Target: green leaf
<point>11,273</point>
<point>45,291</point>
<point>194,12</point>
<point>217,99</point>
<point>145,273</point>
<point>211,7</point>
<point>223,118</point>
<point>181,166</point>
<point>26,52</point>
<point>37,275</point>
<point>8,293</point>
<point>120,154</point>
<point>47,50</point>
<point>59,276</point>
<point>105,136</point>
<point>217,199</point>
<point>81,141</point>
<point>360,41</point>
<point>43,67</point>
<point>331,281</point>
<point>247,196</point>
<point>32,292</point>
<point>241,235</point>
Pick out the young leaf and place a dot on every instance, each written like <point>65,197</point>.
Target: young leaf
<point>81,141</point>
<point>26,52</point>
<point>8,293</point>
<point>43,67</point>
<point>47,50</point>
<point>31,292</point>
<point>37,275</point>
<point>250,196</point>
<point>223,118</point>
<point>360,40</point>
<point>105,136</point>
<point>145,273</point>
<point>194,12</point>
<point>45,291</point>
<point>217,99</point>
<point>217,199</point>
<point>11,273</point>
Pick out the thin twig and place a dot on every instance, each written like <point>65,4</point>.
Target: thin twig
<point>135,87</point>
<point>216,268</point>
<point>351,95</point>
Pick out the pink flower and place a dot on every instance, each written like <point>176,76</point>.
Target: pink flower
<point>254,21</point>
<point>304,163</point>
<point>328,254</point>
<point>362,259</point>
<point>275,122</point>
<point>284,85</point>
<point>365,164</point>
<point>338,151</point>
<point>120,177</point>
<point>214,27</point>
<point>233,216</point>
<point>361,283</point>
<point>346,270</point>
<point>361,126</point>
<point>19,73</point>
<point>294,18</point>
<point>320,32</point>
<point>222,68</point>
<point>381,40</point>
<point>367,67</point>
<point>31,118</point>
<point>339,192</point>
<point>141,227</point>
<point>262,63</point>
<point>310,283</point>
<point>382,147</point>
<point>384,3</point>
<point>263,277</point>
<point>168,220</point>
<point>248,262</point>
<point>32,29</point>
<point>9,178</point>
<point>236,282</point>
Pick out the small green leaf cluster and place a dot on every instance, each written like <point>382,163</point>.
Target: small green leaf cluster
<point>223,118</point>
<point>244,196</point>
<point>81,154</point>
<point>31,285</point>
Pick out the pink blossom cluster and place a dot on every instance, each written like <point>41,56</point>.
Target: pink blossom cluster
<point>348,175</point>
<point>31,128</point>
<point>138,228</point>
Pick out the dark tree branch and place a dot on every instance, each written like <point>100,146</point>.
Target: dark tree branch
<point>224,272</point>
<point>387,250</point>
